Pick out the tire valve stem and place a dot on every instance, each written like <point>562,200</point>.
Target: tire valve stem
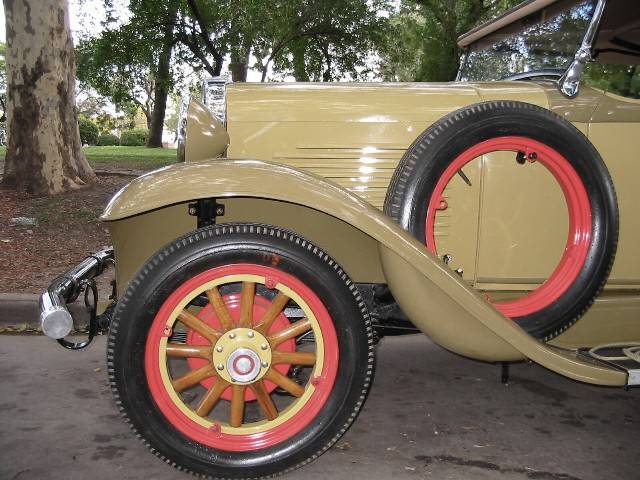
<point>533,156</point>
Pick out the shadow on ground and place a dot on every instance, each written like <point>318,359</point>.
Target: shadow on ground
<point>430,414</point>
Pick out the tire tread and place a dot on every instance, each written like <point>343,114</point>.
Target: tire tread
<point>229,229</point>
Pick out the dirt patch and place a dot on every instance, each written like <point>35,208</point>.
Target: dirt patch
<point>68,229</point>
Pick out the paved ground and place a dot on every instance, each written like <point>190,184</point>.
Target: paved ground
<point>431,415</point>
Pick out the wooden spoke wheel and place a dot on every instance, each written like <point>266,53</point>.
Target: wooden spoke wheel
<point>225,355</point>
<point>237,350</point>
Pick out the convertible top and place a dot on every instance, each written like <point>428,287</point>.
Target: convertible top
<point>617,40</point>
<point>508,17</point>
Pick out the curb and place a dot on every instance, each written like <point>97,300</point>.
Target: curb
<point>120,173</point>
<point>20,310</point>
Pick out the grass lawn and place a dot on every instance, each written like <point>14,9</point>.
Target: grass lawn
<point>135,158</point>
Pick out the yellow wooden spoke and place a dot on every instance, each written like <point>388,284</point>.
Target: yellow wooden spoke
<point>286,383</point>
<point>199,326</point>
<point>276,306</point>
<point>237,405</point>
<point>294,358</point>
<point>264,400</point>
<point>212,397</point>
<point>246,304</point>
<point>292,331</point>
<point>189,351</point>
<point>193,377</point>
<point>220,307</point>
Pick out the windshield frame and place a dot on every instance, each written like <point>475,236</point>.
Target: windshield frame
<point>569,81</point>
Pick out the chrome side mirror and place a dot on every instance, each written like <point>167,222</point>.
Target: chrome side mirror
<point>569,82</point>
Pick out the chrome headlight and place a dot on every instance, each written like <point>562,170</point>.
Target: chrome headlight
<point>182,127</point>
<point>201,134</point>
<point>214,96</point>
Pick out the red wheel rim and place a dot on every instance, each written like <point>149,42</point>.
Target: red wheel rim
<point>217,434</point>
<point>578,208</point>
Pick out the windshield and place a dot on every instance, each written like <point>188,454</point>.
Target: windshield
<point>546,39</point>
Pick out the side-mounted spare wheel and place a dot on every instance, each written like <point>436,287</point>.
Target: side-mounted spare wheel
<point>240,351</point>
<point>416,197</point>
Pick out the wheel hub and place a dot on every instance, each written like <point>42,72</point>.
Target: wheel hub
<point>242,356</point>
<point>243,365</point>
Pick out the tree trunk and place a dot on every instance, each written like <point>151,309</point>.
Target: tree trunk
<point>240,52</point>
<point>162,81</point>
<point>156,123</point>
<point>239,66</point>
<point>147,116</point>
<point>299,67</point>
<point>44,153</point>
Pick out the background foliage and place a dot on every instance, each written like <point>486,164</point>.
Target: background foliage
<point>89,131</point>
<point>167,46</point>
<point>108,140</point>
<point>134,138</point>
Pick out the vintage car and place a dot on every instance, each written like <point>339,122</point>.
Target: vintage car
<point>306,221</point>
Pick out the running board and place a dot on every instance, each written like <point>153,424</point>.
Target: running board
<point>614,357</point>
<point>461,320</point>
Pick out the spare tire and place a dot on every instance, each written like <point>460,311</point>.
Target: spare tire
<point>534,134</point>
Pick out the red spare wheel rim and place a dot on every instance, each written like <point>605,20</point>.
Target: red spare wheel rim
<point>578,207</point>
<point>238,349</point>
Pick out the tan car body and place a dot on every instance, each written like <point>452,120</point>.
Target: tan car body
<point>334,148</point>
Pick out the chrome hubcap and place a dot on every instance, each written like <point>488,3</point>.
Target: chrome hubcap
<point>242,355</point>
<point>243,365</point>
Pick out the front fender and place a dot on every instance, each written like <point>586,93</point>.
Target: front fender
<point>436,300</point>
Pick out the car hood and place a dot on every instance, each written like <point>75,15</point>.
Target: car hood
<point>367,102</point>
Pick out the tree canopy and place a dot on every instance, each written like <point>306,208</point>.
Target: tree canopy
<point>422,43</point>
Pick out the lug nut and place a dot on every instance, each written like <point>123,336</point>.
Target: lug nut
<point>264,346</point>
<point>232,336</point>
<point>220,366</point>
<point>264,364</point>
<point>250,334</point>
<point>219,348</point>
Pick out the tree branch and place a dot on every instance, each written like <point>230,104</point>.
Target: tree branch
<point>204,34</point>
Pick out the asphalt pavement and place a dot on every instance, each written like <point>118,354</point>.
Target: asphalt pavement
<point>430,415</point>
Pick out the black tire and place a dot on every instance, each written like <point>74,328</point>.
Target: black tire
<point>232,244</point>
<point>426,160</point>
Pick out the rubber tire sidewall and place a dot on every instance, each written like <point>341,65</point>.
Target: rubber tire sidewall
<point>220,245</point>
<point>427,158</point>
